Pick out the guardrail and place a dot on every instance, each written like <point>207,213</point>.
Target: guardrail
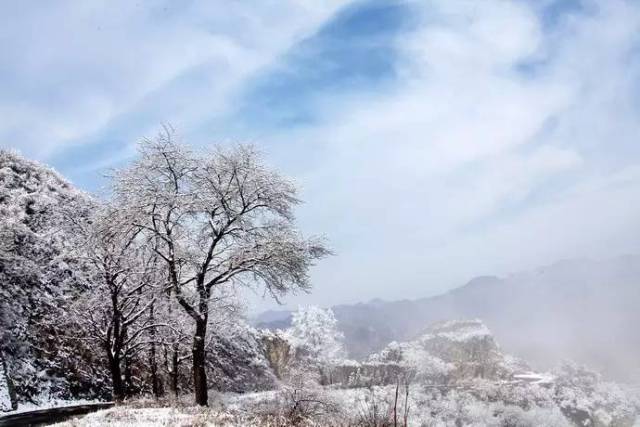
<point>43,417</point>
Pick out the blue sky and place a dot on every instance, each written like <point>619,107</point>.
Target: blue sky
<point>433,140</point>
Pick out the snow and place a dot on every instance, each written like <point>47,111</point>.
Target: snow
<point>5,399</point>
<point>140,417</point>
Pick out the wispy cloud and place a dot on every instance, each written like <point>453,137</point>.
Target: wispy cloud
<point>105,73</point>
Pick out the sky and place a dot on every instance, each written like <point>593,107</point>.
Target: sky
<point>432,140</point>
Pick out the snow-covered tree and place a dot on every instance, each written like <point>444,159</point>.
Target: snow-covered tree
<point>219,218</point>
<point>122,279</point>
<point>315,330</point>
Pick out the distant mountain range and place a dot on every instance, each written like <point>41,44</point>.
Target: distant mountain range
<point>583,310</point>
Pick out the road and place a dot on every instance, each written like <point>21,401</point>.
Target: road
<point>43,417</point>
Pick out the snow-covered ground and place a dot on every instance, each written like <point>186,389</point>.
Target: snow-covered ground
<point>139,417</point>
<point>481,403</point>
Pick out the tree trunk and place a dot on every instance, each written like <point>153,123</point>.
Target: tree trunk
<point>113,355</point>
<point>199,371</point>
<point>174,372</point>
<point>156,388</point>
<point>116,379</point>
<point>395,406</point>
<point>406,404</point>
<point>153,363</point>
<point>128,377</point>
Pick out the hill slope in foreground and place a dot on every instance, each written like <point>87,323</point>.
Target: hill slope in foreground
<point>580,310</point>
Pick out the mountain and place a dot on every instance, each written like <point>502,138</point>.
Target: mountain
<point>582,310</point>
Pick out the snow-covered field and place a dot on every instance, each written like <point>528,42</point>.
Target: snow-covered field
<point>481,403</point>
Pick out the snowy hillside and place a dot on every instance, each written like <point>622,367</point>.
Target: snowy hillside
<point>37,276</point>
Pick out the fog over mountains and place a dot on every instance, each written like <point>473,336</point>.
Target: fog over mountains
<point>583,310</point>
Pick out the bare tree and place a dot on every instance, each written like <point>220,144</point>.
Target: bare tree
<point>219,218</point>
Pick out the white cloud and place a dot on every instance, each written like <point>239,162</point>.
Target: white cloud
<point>475,165</point>
<point>71,69</point>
